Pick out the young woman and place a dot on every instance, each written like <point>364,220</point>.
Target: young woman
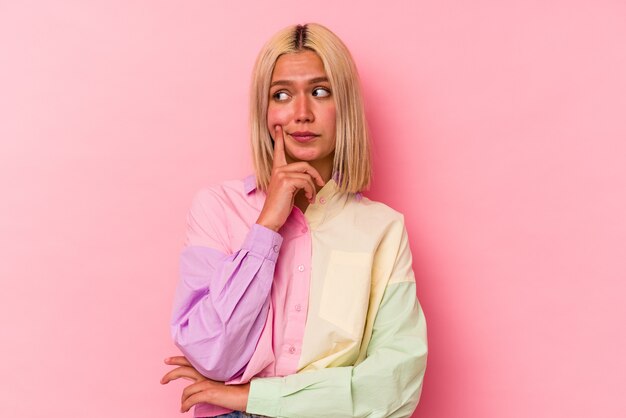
<point>295,290</point>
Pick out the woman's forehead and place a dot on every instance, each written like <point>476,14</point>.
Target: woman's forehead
<point>299,65</point>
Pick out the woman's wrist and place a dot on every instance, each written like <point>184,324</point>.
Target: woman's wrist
<point>263,222</point>
<point>240,396</point>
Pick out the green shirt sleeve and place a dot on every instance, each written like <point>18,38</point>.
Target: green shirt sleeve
<point>387,383</point>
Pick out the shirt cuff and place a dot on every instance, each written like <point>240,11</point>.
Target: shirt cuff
<point>264,396</point>
<point>263,241</point>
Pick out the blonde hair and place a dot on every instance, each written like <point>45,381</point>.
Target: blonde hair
<point>352,162</point>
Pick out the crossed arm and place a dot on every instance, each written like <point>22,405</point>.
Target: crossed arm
<point>387,383</point>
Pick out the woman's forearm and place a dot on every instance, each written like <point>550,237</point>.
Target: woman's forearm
<point>222,301</point>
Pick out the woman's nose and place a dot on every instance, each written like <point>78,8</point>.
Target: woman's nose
<point>303,110</point>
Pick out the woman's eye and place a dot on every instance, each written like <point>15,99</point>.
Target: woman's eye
<point>321,92</point>
<point>280,95</point>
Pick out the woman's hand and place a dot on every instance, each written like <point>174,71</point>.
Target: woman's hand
<point>205,390</point>
<point>285,182</point>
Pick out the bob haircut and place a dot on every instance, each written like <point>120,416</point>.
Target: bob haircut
<point>352,161</point>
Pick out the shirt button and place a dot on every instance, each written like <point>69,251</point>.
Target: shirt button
<point>292,349</point>
<point>298,307</point>
<point>300,267</point>
<point>276,248</point>
<point>322,200</point>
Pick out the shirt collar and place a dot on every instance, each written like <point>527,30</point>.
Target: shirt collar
<point>249,184</point>
<point>326,192</point>
<point>329,200</point>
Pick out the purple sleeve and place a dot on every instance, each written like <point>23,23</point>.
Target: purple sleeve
<point>222,301</point>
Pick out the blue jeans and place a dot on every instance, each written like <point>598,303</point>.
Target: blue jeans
<point>239,414</point>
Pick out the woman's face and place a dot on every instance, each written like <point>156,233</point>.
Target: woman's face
<point>302,102</point>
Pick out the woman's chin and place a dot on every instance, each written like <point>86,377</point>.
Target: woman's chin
<point>309,155</point>
<point>304,156</point>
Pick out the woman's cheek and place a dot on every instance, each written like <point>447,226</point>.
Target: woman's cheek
<point>277,116</point>
<point>329,119</point>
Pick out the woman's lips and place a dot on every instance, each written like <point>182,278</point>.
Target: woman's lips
<point>303,136</point>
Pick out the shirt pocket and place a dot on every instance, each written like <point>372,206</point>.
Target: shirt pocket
<point>345,293</point>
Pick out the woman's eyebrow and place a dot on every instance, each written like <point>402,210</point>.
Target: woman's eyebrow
<point>288,82</point>
<point>318,80</point>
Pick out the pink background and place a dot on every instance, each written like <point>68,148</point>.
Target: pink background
<point>499,132</point>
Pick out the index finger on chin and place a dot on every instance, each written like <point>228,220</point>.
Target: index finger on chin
<point>279,159</point>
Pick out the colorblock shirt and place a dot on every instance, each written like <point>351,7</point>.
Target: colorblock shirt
<point>320,317</point>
